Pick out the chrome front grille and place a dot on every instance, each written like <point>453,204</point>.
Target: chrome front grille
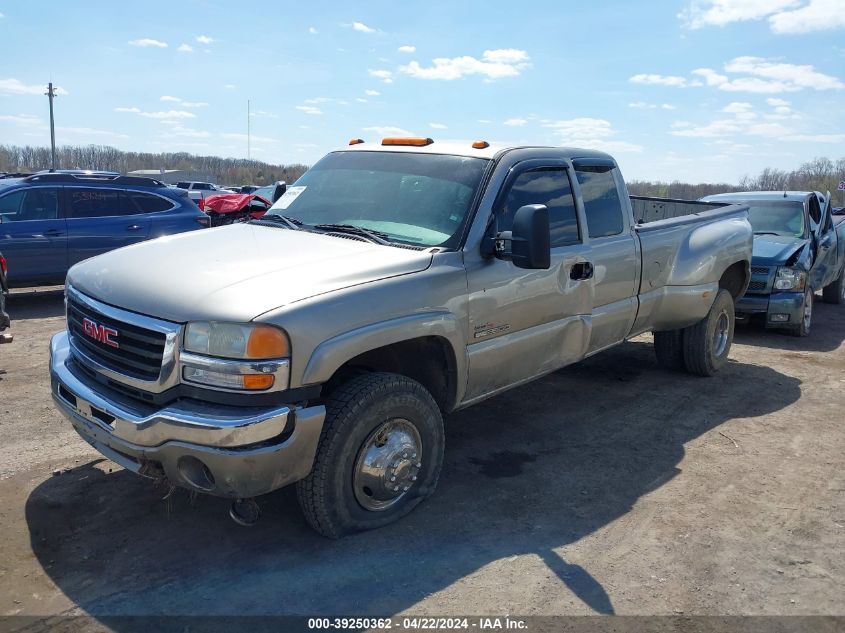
<point>756,286</point>
<point>138,352</point>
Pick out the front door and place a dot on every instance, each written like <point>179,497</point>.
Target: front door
<point>525,323</point>
<point>33,236</point>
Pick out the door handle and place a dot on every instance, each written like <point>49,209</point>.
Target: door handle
<point>581,271</point>
<point>52,232</point>
<point>133,227</point>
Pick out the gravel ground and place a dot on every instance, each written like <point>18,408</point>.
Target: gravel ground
<point>607,487</point>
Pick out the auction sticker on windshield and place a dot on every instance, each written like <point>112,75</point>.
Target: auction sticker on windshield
<point>288,197</point>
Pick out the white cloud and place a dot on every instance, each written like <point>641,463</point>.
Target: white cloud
<point>147,43</point>
<point>15,87</point>
<point>372,93</point>
<point>711,77</point>
<point>21,120</point>
<point>185,132</point>
<point>2,16</point>
<point>185,48</point>
<point>312,30</point>
<point>230,86</point>
<point>385,75</point>
<point>204,39</point>
<point>792,75</point>
<point>264,113</point>
<point>515,122</point>
<point>741,110</point>
<point>590,133</point>
<point>772,101</point>
<point>309,109</point>
<point>784,16</point>
<point>183,103</point>
<point>407,49</point>
<point>659,80</point>
<point>388,130</point>
<point>168,115</point>
<point>494,64</point>
<point>88,131</point>
<point>437,126</point>
<point>484,121</point>
<point>815,138</point>
<point>362,28</point>
<point>360,100</point>
<point>642,105</point>
<point>701,13</point>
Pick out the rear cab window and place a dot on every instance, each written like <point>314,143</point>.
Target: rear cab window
<point>602,204</point>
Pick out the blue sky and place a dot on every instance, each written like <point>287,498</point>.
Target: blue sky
<point>699,90</point>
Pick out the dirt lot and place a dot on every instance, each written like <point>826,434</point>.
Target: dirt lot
<point>608,487</point>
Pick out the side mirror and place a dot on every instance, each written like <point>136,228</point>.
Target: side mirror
<point>529,238</point>
<point>280,189</point>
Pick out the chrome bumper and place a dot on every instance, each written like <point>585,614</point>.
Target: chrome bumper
<point>221,450</point>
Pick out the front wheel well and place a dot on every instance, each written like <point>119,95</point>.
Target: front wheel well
<point>429,360</point>
<point>735,279</point>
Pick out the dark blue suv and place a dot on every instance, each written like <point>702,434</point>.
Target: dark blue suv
<point>51,221</point>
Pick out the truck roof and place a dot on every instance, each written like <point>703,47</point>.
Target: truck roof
<point>790,196</point>
<point>465,148</point>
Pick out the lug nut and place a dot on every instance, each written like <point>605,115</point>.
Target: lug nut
<point>406,488</point>
<point>419,464</point>
<point>414,478</point>
<point>414,456</point>
<point>396,488</point>
<point>393,478</point>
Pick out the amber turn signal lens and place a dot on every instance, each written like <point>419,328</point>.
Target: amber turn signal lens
<point>258,381</point>
<point>414,142</point>
<point>480,145</point>
<point>265,341</point>
<point>356,141</point>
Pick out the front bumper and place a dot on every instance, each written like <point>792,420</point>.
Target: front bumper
<point>235,452</point>
<point>781,309</point>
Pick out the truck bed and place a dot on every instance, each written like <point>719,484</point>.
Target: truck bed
<point>647,209</point>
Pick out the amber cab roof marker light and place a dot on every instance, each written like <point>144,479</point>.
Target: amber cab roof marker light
<point>407,140</point>
<point>356,141</point>
<point>480,145</point>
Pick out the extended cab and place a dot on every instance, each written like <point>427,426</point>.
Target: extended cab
<point>799,249</point>
<point>392,284</point>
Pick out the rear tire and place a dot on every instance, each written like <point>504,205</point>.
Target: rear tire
<point>834,292</point>
<point>803,328</point>
<point>379,456</point>
<point>708,342</point>
<point>669,349</point>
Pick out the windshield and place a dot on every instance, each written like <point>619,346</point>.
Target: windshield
<point>780,218</point>
<point>420,199</point>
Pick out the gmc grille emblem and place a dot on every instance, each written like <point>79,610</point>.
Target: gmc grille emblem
<point>98,332</point>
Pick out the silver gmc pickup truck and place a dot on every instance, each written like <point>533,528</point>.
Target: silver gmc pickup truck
<point>392,284</point>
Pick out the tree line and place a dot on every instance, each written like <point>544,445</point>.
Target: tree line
<point>225,171</point>
<point>820,174</point>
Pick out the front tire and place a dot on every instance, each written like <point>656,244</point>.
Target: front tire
<point>803,328</point>
<point>708,342</point>
<point>834,292</point>
<point>379,456</point>
<point>669,349</point>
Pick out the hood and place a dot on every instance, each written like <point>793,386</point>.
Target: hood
<point>775,250</point>
<point>235,273</point>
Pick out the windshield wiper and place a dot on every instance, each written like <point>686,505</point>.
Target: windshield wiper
<point>377,237</point>
<point>765,233</point>
<point>291,223</point>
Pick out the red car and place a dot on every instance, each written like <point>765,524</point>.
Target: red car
<point>227,208</point>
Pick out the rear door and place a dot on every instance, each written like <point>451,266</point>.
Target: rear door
<point>100,219</point>
<point>614,251</point>
<point>33,235</point>
<point>524,323</point>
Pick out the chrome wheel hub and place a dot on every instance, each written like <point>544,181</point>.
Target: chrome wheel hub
<point>720,334</point>
<point>387,465</point>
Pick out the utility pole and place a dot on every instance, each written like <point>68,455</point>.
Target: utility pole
<point>52,95</point>
<point>248,116</point>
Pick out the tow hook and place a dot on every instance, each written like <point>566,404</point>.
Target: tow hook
<point>245,512</point>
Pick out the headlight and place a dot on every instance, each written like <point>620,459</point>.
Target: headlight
<point>236,356</point>
<point>235,340</point>
<point>790,279</point>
